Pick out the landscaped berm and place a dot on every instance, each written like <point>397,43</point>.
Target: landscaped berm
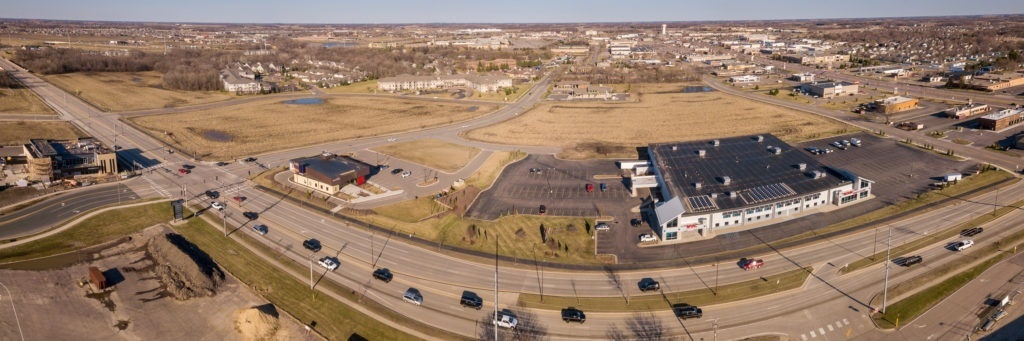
<point>266,125</point>
<point>655,113</point>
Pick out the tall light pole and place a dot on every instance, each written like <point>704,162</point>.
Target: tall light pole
<point>885,289</point>
<point>310,271</point>
<point>495,321</point>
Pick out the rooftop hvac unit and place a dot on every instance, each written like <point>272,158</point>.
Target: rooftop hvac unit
<point>776,150</point>
<point>816,174</point>
<point>726,180</point>
<point>714,195</point>
<point>675,148</point>
<point>759,138</point>
<point>732,194</point>
<point>801,166</point>
<point>696,185</point>
<point>715,143</point>
<point>701,153</point>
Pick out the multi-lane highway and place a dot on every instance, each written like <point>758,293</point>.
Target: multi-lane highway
<point>840,301</point>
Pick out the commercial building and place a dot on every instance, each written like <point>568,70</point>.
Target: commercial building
<point>971,109</point>
<point>708,187</point>
<point>1001,119</point>
<point>995,82</point>
<point>823,59</point>
<point>802,77</point>
<point>488,82</point>
<point>745,79</point>
<point>895,104</point>
<point>49,160</point>
<point>829,89</point>
<point>328,172</point>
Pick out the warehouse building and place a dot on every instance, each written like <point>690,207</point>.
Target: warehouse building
<point>1001,119</point>
<point>830,89</point>
<point>726,185</point>
<point>328,172</point>
<point>895,104</point>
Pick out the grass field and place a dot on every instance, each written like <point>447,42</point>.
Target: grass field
<point>127,91</point>
<point>101,228</point>
<point>437,154</point>
<point>19,132</point>
<point>367,87</point>
<point>661,113</point>
<point>492,167</point>
<point>273,125</point>
<point>644,302</point>
<point>22,102</point>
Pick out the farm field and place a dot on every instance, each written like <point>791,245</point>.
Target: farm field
<point>22,102</point>
<point>19,132</point>
<point>266,125</point>
<point>655,113</point>
<point>129,91</point>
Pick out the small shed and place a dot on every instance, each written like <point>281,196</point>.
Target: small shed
<point>97,278</point>
<point>952,177</point>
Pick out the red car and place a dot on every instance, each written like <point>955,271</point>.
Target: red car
<point>590,187</point>
<point>750,264</point>
<point>184,171</point>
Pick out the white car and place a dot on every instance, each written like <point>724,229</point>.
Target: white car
<point>217,205</point>
<point>647,238</point>
<point>963,244</point>
<point>328,263</point>
<point>506,320</point>
<point>413,296</point>
<point>406,174</point>
<point>602,227</point>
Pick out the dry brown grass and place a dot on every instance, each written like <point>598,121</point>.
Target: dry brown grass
<point>267,125</point>
<point>22,102</point>
<point>128,91</point>
<point>490,169</point>
<point>661,113</point>
<point>367,87</point>
<point>19,132</point>
<point>436,154</point>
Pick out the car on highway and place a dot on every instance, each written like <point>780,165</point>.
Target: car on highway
<point>413,296</point>
<point>312,245</point>
<point>648,284</point>
<point>590,187</point>
<point>647,238</point>
<point>183,171</point>
<point>604,187</point>
<point>686,311</point>
<point>250,215</point>
<point>505,319</point>
<point>406,174</point>
<point>217,205</point>
<point>911,260</point>
<point>328,263</point>
<point>260,228</point>
<point>751,264</point>
<point>602,227</point>
<point>238,199</point>
<point>212,194</point>
<point>221,163</point>
<point>471,299</point>
<point>249,159</point>
<point>571,314</point>
<point>383,274</point>
<point>963,244</point>
<point>971,232</point>
<point>397,171</point>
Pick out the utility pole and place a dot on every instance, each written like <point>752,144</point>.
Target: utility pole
<point>996,203</point>
<point>495,322</point>
<point>716,279</point>
<point>310,271</point>
<point>224,221</point>
<point>885,290</point>
<point>874,245</point>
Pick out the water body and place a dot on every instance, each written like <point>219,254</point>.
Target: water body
<point>693,89</point>
<point>217,135</point>
<point>330,45</point>
<point>311,100</point>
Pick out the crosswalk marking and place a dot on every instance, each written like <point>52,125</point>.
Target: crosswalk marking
<point>821,331</point>
<point>803,336</point>
<point>813,335</point>
<point>160,190</point>
<point>839,325</point>
<point>846,322</point>
<point>829,327</point>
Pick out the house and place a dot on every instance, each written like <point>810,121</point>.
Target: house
<point>328,173</point>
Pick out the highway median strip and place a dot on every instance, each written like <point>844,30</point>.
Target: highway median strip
<point>635,301</point>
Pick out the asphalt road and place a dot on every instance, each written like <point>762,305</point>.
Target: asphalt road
<point>838,300</point>
<point>57,209</point>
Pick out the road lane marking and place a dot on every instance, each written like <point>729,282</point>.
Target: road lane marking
<point>846,322</point>
<point>839,325</point>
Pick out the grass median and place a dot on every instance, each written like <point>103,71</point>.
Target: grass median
<point>334,320</point>
<point>917,244</point>
<point>644,302</point>
<point>101,228</point>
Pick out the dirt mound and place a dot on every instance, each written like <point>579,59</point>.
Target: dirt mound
<point>183,268</point>
<point>257,323</point>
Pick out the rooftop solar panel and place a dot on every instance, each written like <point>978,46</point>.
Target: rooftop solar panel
<point>701,203</point>
<point>766,193</point>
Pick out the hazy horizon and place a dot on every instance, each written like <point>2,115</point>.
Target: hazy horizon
<point>463,12</point>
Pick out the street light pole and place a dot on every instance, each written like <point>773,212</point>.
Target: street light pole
<point>310,271</point>
<point>495,322</point>
<point>885,289</point>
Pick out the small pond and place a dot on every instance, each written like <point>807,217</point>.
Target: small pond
<point>693,89</point>
<point>311,100</point>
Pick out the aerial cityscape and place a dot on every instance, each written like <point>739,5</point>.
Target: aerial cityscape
<point>564,170</point>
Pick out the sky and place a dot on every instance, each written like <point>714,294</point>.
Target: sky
<point>508,11</point>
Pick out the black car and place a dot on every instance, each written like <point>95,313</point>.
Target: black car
<point>250,215</point>
<point>250,159</point>
<point>648,284</point>
<point>383,274</point>
<point>312,245</point>
<point>221,163</point>
<point>635,222</point>
<point>543,209</point>
<point>971,232</point>
<point>912,260</point>
<point>472,300</point>
<point>686,311</point>
<point>396,171</point>
<point>571,314</point>
<point>212,194</point>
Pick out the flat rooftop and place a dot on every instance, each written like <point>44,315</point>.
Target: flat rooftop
<point>1001,114</point>
<point>894,100</point>
<point>756,174</point>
